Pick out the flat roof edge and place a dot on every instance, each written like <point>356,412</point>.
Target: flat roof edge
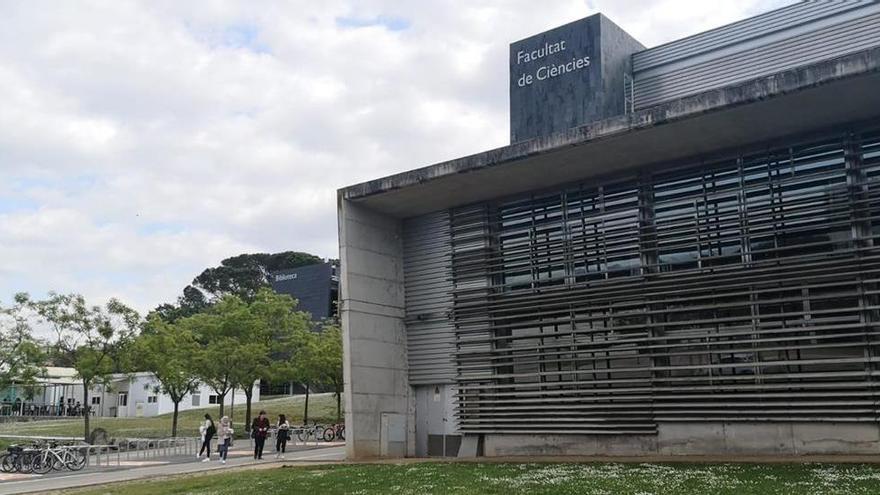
<point>849,66</point>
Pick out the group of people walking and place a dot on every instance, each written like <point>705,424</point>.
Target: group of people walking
<point>260,427</point>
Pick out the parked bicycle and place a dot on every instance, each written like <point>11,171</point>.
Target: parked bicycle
<point>306,433</point>
<point>58,457</point>
<point>334,432</point>
<point>18,459</point>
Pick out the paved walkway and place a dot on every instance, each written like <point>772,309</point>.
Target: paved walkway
<point>137,470</point>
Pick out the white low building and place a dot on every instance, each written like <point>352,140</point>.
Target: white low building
<point>59,392</point>
<point>136,395</point>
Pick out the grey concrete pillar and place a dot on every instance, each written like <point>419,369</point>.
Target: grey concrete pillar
<point>373,332</point>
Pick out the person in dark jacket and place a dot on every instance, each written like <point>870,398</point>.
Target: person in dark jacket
<point>207,430</point>
<point>259,431</point>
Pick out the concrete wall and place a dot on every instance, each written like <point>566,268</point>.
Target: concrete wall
<point>378,413</point>
<point>701,439</point>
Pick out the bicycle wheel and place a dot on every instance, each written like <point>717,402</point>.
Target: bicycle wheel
<point>42,463</point>
<point>7,465</point>
<point>24,463</point>
<point>75,460</point>
<point>301,435</point>
<point>340,433</point>
<point>329,434</point>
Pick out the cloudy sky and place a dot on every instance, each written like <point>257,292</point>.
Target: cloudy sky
<point>141,142</point>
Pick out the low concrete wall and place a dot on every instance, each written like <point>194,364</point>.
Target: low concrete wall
<point>533,445</point>
<point>768,438</point>
<point>700,439</point>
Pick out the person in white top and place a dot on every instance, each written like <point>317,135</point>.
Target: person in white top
<point>281,437</point>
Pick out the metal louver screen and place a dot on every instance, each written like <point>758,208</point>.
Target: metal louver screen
<point>427,268</point>
<point>738,290</point>
<point>798,35</point>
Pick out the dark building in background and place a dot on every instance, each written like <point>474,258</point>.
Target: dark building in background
<point>314,286</point>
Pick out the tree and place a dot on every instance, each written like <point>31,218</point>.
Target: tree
<point>238,340</point>
<point>192,302</point>
<point>20,355</point>
<point>282,325</point>
<point>304,364</point>
<point>328,362</point>
<point>252,360</point>
<point>215,360</point>
<point>168,351</point>
<point>89,338</point>
<point>243,276</point>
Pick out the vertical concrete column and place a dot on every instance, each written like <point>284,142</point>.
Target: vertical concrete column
<point>373,332</point>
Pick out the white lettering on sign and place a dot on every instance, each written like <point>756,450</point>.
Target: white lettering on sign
<point>548,49</point>
<point>285,276</point>
<point>547,71</point>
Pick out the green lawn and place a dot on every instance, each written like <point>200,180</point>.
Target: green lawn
<point>322,408</point>
<point>532,479</point>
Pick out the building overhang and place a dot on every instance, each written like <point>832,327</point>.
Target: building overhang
<point>700,127</point>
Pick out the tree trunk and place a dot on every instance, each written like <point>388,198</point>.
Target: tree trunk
<point>306,411</point>
<point>86,411</point>
<point>338,405</point>
<point>222,400</point>
<point>248,394</point>
<point>174,419</point>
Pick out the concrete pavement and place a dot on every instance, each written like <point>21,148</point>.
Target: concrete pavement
<point>238,458</point>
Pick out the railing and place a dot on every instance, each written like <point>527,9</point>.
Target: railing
<point>141,449</point>
<point>127,450</point>
<point>32,410</point>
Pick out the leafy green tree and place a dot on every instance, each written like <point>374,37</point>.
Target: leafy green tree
<point>240,341</point>
<point>20,354</point>
<point>328,362</point>
<point>192,301</point>
<point>271,332</point>
<point>303,364</point>
<point>243,276</point>
<point>215,360</point>
<point>252,361</point>
<point>169,351</point>
<point>89,338</point>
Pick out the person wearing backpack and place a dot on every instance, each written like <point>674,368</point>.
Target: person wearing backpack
<point>208,431</point>
<point>259,431</point>
<point>282,437</point>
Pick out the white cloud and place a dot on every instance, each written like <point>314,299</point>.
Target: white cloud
<point>143,141</point>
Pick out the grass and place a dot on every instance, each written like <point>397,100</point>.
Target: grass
<point>322,408</point>
<point>532,479</point>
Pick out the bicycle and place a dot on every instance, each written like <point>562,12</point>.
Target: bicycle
<point>334,432</point>
<point>58,457</point>
<point>18,459</point>
<point>304,433</point>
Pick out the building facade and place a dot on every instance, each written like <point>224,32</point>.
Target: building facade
<point>315,287</point>
<point>690,272</point>
<point>58,392</point>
